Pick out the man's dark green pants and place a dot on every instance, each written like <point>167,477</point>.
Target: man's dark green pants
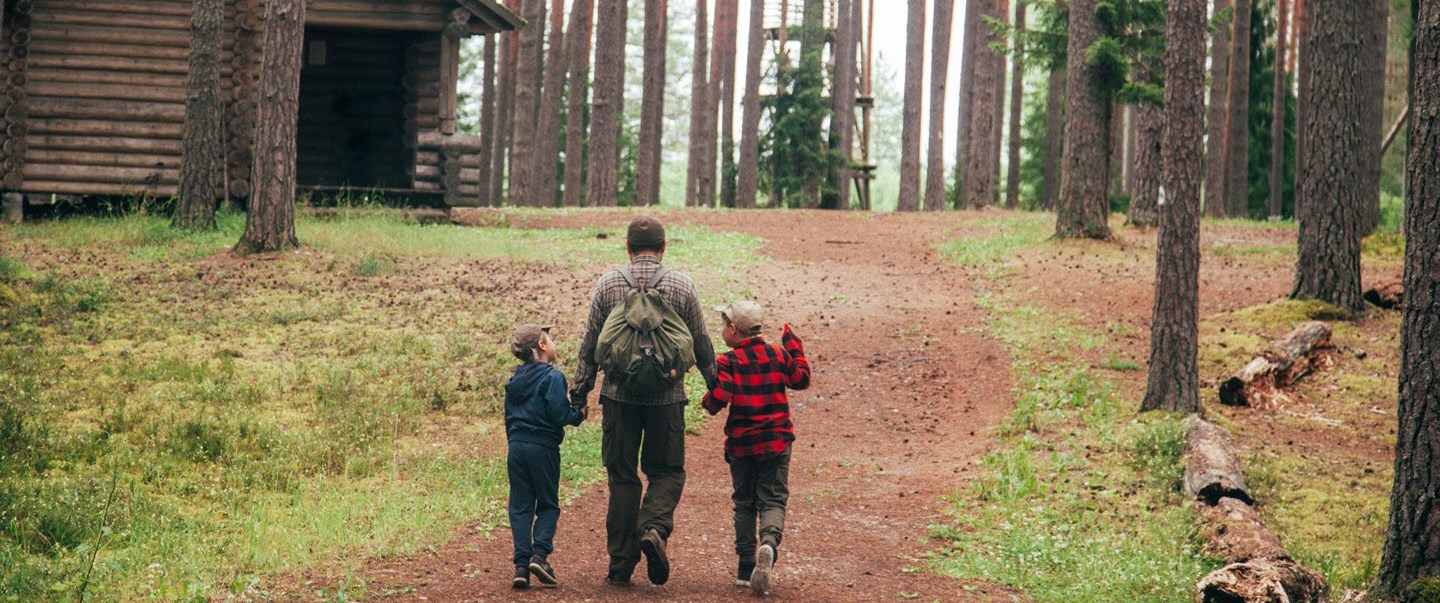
<point>651,438</point>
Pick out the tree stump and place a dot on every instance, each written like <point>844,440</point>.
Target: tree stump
<point>1260,381</point>
<point>1212,471</point>
<point>1263,581</point>
<point>1388,295</point>
<point>1236,533</point>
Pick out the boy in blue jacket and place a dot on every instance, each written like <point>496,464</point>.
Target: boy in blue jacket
<point>537,409</point>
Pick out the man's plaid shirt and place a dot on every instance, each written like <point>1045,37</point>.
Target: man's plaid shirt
<point>678,291</point>
<point>752,379</point>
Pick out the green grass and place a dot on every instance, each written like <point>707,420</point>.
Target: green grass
<point>249,418</point>
<point>1080,500</point>
<point>1010,234</point>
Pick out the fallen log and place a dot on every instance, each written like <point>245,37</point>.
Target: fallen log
<point>1235,533</point>
<point>1262,581</point>
<point>1286,361</point>
<point>1212,471</point>
<point>1388,295</point>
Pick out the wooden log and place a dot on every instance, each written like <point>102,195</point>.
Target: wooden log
<point>1212,470</point>
<point>1235,533</point>
<point>102,159</point>
<point>155,7</point>
<point>92,173</point>
<point>467,143</point>
<point>1288,360</point>
<point>95,76</point>
<point>163,148</point>
<point>96,188</point>
<point>100,34</point>
<point>1386,295</point>
<point>108,63</point>
<point>128,18</point>
<point>1263,581</point>
<point>92,127</point>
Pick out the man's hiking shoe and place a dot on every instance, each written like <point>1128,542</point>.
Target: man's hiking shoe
<point>614,579</point>
<point>543,572</point>
<point>522,578</point>
<point>656,564</point>
<point>764,563</point>
<point>742,576</point>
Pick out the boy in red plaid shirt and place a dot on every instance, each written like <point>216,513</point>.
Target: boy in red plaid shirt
<point>753,377</point>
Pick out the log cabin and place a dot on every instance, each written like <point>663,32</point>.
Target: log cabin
<point>92,97</point>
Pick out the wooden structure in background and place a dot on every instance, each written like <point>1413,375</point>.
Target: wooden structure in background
<point>92,96</point>
<point>782,17</point>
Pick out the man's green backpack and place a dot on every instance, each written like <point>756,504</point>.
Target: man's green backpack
<point>644,347</point>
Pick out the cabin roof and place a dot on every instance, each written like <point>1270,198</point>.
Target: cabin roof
<point>493,15</point>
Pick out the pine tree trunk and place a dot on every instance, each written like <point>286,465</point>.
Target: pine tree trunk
<point>270,225</point>
<point>708,181</point>
<point>980,172</point>
<point>1237,188</point>
<point>578,48</point>
<point>699,100</point>
<point>528,75</point>
<point>1412,549</point>
<point>545,168</point>
<point>487,122</point>
<point>1174,382</point>
<point>1218,114</point>
<point>1084,208</point>
<point>1330,178</point>
<point>1372,122</point>
<point>200,165</point>
<point>503,164</point>
<point>1302,77</point>
<point>1132,128</point>
<point>842,128</point>
<point>652,106</point>
<point>1017,94</point>
<point>608,99</point>
<point>909,199</point>
<point>1054,139</point>
<point>1277,116</point>
<point>1002,14</point>
<point>939,74</point>
<point>1117,149</point>
<point>748,182</point>
<point>1145,180</point>
<point>969,56</point>
<point>727,104</point>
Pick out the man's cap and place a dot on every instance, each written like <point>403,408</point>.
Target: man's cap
<point>527,338</point>
<point>747,316</point>
<point>645,230</point>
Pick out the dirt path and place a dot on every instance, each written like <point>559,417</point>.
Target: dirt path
<point>906,392</point>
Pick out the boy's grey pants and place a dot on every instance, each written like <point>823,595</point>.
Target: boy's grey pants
<point>761,489</point>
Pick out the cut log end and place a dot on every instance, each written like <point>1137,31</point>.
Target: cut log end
<point>1264,581</point>
<point>1388,296</point>
<point>1262,381</point>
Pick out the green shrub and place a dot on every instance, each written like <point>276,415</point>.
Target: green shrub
<point>1424,590</point>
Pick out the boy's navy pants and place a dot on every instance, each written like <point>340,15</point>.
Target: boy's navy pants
<point>534,499</point>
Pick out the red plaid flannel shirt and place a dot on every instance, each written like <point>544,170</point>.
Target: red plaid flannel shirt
<point>752,379</point>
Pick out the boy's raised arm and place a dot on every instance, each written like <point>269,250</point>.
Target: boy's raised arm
<point>797,370</point>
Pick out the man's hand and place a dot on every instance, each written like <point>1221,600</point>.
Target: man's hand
<point>579,400</point>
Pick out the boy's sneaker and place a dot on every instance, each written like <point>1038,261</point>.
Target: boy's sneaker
<point>742,576</point>
<point>543,572</point>
<point>522,578</point>
<point>657,565</point>
<point>764,562</point>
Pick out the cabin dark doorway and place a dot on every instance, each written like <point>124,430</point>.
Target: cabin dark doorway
<point>352,104</point>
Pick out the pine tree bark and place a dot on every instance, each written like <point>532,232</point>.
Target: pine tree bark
<point>1372,123</point>
<point>200,164</point>
<point>652,105</point>
<point>487,121</point>
<point>503,164</point>
<point>545,166</point>
<point>1330,178</point>
<point>581,21</point>
<point>1277,116</point>
<point>1084,208</point>
<point>1148,173</point>
<point>708,182</point>
<point>727,104</point>
<point>1117,149</point>
<point>526,112</point>
<point>608,99</point>
<point>1017,92</point>
<point>939,75</point>
<point>270,225</point>
<point>1002,14</point>
<point>748,181</point>
<point>969,57</point>
<point>1054,139</point>
<point>1302,76</point>
<point>1237,187</point>
<point>979,182</point>
<point>1174,382</point>
<point>1412,542</point>
<point>909,199</point>
<point>842,123</point>
<point>1216,167</point>
<point>699,100</point>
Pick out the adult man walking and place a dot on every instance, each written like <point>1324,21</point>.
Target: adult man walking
<point>644,423</point>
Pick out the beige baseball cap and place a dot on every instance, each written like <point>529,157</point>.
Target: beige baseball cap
<point>526,339</point>
<point>747,316</point>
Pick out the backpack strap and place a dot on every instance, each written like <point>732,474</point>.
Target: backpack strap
<point>635,284</point>
<point>629,277</point>
<point>655,279</point>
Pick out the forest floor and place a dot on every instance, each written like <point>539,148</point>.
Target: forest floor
<point>970,435</point>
